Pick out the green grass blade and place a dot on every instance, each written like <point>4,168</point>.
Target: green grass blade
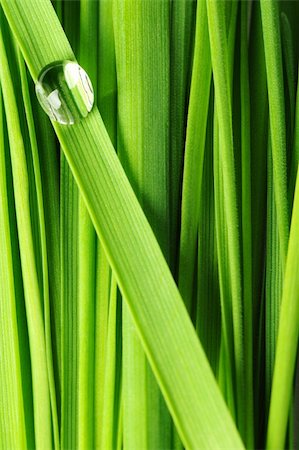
<point>273,56</point>
<point>165,318</point>
<point>103,283</point>
<point>219,54</point>
<point>135,426</point>
<point>104,279</point>
<point>181,46</point>
<point>11,396</point>
<point>164,327</point>
<point>287,340</point>
<point>110,411</point>
<point>246,223</point>
<point>226,374</point>
<point>43,245</point>
<point>194,154</point>
<point>70,243</point>
<point>208,309</point>
<point>107,84</point>
<point>69,305</point>
<point>259,142</point>
<point>143,148</point>
<point>273,281</point>
<point>295,153</point>
<point>26,374</point>
<point>288,54</point>
<point>86,254</point>
<point>86,324</point>
<point>49,164</point>
<point>226,360</point>
<point>42,410</point>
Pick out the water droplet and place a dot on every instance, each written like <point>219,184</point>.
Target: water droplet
<point>65,92</point>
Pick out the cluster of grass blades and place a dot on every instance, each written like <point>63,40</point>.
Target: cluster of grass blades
<point>149,252</point>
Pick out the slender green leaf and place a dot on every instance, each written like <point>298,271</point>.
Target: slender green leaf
<point>43,245</point>
<point>162,322</point>
<point>295,153</point>
<point>69,306</point>
<point>11,396</point>
<point>103,284</point>
<point>219,54</point>
<point>194,154</point>
<point>287,339</point>
<point>143,109</point>
<point>181,46</point>
<point>273,57</point>
<point>86,255</point>
<point>42,419</point>
<point>208,320</point>
<point>246,224</point>
<point>273,280</point>
<point>104,279</point>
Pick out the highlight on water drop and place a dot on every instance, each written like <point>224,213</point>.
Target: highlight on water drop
<point>65,92</point>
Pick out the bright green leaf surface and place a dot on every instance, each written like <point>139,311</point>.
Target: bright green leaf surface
<point>168,337</point>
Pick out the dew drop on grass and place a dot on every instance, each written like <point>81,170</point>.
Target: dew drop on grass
<point>65,92</point>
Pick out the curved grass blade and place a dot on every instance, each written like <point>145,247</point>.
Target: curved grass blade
<point>287,340</point>
<point>43,244</point>
<point>219,54</point>
<point>42,409</point>
<point>166,332</point>
<point>194,154</point>
<point>11,396</point>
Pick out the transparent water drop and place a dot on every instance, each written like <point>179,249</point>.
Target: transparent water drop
<point>65,92</point>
